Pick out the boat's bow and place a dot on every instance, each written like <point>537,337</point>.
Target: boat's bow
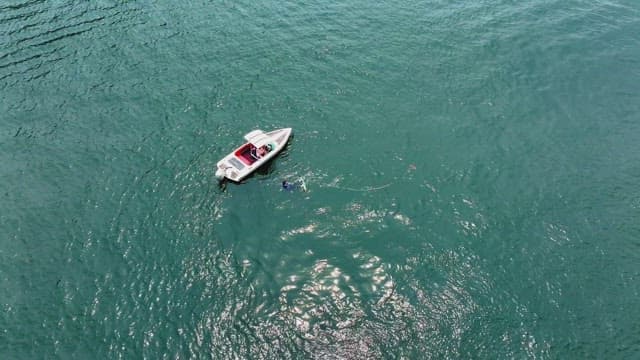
<point>280,136</point>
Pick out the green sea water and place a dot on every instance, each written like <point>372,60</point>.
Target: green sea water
<point>473,174</point>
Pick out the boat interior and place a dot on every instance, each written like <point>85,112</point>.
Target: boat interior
<point>247,154</point>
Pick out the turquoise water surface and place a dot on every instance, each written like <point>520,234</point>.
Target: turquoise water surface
<point>473,171</point>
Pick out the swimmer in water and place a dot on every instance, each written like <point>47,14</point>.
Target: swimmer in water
<point>288,186</point>
<point>299,184</point>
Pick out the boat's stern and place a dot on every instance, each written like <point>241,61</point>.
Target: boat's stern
<point>220,173</point>
<point>230,168</point>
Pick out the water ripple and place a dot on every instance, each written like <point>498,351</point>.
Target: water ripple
<point>502,181</point>
<point>37,39</point>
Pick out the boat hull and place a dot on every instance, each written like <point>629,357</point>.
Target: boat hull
<point>241,162</point>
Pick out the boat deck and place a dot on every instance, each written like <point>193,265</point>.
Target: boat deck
<point>244,154</point>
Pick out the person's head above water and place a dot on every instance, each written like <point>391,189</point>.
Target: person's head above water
<point>287,186</point>
<point>294,186</point>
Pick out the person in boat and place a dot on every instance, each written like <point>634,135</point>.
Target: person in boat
<point>263,150</point>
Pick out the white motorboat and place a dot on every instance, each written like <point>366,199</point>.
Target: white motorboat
<point>259,149</point>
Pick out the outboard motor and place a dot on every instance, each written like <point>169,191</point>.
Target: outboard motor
<point>220,174</point>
